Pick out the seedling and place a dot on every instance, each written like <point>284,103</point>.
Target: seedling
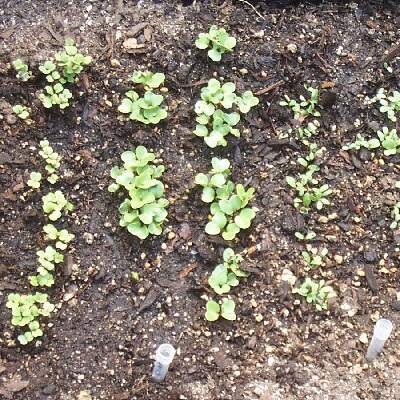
<point>316,293</point>
<point>26,310</point>
<point>390,141</point>
<point>232,262</point>
<point>305,107</point>
<point>55,95</point>
<point>54,203</point>
<point>395,216</point>
<point>144,211</point>
<point>311,129</point>
<point>21,111</point>
<point>22,69</point>
<point>229,211</point>
<point>149,80</point>
<point>389,105</point>
<point>47,260</point>
<point>221,280</point>
<point>53,161</point>
<point>135,276</point>
<point>66,65</point>
<point>62,237</point>
<point>65,68</point>
<point>218,40</point>
<point>35,179</point>
<point>307,193</point>
<point>225,310</point>
<point>310,235</point>
<point>314,257</point>
<point>146,109</point>
<point>213,124</point>
<point>313,153</point>
<point>360,141</point>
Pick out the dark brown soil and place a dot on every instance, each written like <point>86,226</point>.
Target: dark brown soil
<point>105,332</point>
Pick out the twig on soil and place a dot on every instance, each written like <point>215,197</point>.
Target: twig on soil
<point>269,88</point>
<point>325,66</point>
<point>254,9</point>
<point>197,83</point>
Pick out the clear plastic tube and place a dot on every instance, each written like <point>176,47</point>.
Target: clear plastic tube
<point>382,330</point>
<point>164,356</point>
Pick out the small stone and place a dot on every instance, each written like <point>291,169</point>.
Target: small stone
<point>88,237</point>
<point>132,44</point>
<point>323,219</point>
<point>244,71</point>
<point>70,293</point>
<point>259,317</point>
<point>115,63</point>
<point>171,235</point>
<point>338,259</point>
<point>259,34</point>
<point>363,338</point>
<point>292,48</point>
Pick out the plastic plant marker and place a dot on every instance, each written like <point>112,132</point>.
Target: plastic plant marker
<point>164,356</point>
<point>382,330</point>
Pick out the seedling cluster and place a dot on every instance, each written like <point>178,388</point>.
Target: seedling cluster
<point>144,210</point>
<point>63,69</point>
<point>217,40</point>
<point>213,124</point>
<point>146,109</point>
<point>228,203</point>
<point>305,107</point>
<point>223,278</point>
<point>22,69</point>
<point>27,309</point>
<point>316,293</point>
<point>21,111</point>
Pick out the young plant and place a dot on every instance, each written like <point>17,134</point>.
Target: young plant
<point>55,95</point>
<point>232,262</point>
<point>225,310</point>
<point>64,68</point>
<point>389,105</point>
<point>144,210</point>
<point>305,107</point>
<point>26,310</point>
<point>311,129</point>
<point>314,257</point>
<point>390,141</point>
<point>395,214</point>
<point>362,142</point>
<point>66,65</point>
<point>213,124</point>
<point>21,111</point>
<point>149,80</point>
<point>221,280</point>
<point>62,237</point>
<point>22,69</point>
<point>54,203</point>
<point>307,191</point>
<point>218,40</point>
<point>53,161</point>
<point>310,235</point>
<point>47,260</point>
<point>146,109</point>
<point>316,293</point>
<point>229,211</point>
<point>35,179</point>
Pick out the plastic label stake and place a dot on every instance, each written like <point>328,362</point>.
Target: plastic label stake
<point>382,330</point>
<point>164,356</point>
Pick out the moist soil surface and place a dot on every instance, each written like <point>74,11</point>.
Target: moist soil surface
<point>100,342</point>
